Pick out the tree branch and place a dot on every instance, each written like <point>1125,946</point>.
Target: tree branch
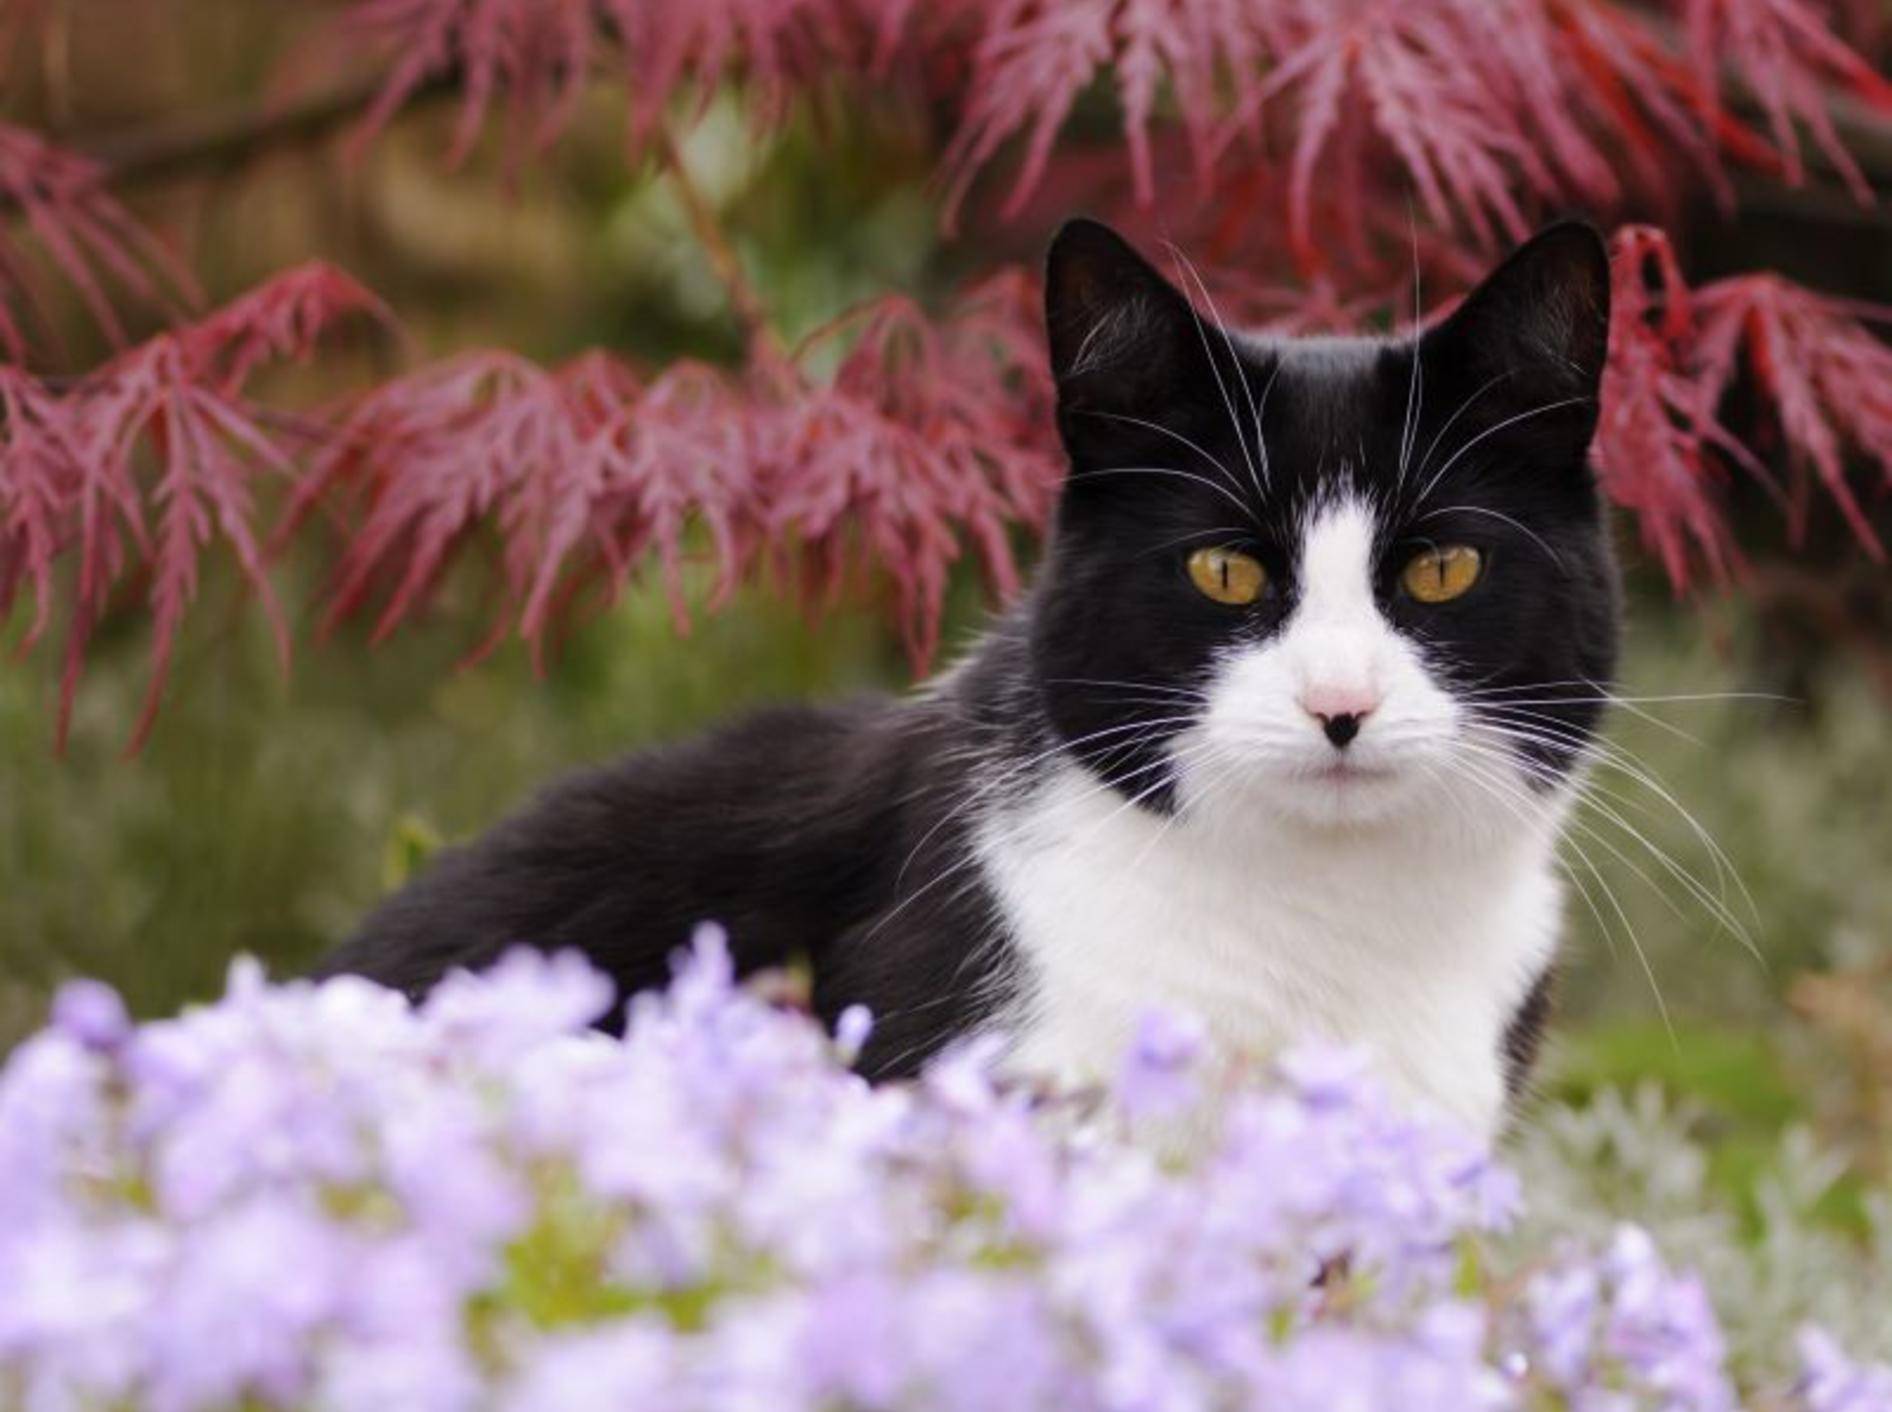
<point>744,302</point>
<point>233,136</point>
<point>146,153</point>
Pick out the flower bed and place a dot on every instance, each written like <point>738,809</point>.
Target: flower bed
<point>311,1196</point>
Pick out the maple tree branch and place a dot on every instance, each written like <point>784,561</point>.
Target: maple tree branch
<point>230,138</point>
<point>147,153</point>
<point>233,136</point>
<point>744,302</point>
<point>1864,131</point>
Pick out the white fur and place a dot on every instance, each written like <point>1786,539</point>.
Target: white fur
<point>1401,895</point>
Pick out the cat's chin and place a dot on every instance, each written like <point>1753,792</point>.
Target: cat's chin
<point>1475,806</point>
<point>1328,794</point>
<point>1347,796</point>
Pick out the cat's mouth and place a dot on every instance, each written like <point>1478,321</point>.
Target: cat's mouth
<point>1345,769</point>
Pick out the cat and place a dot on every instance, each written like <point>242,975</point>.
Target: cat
<point>1283,734</point>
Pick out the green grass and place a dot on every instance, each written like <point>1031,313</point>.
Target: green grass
<point>265,816</point>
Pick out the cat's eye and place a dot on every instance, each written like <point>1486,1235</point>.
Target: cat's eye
<point>1442,574</point>
<point>1228,575</point>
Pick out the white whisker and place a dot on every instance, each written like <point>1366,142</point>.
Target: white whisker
<point>1516,524</point>
<point>1234,358</point>
<point>1221,490</point>
<point>1415,386</point>
<point>1491,431</point>
<point>1452,420</point>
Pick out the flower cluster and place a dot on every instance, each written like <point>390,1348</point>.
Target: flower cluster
<point>313,1196</point>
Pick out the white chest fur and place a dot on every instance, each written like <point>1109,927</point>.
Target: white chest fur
<point>1417,947</point>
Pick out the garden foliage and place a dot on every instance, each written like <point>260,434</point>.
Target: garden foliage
<point>1439,130</point>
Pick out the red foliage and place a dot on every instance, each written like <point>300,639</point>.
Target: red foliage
<point>927,434</point>
<point>537,51</point>
<point>537,55</point>
<point>1822,380</point>
<point>139,465</point>
<point>547,456</point>
<point>1488,116</point>
<point>1479,114</point>
<point>1302,125</point>
<point>1791,59</point>
<point>1655,435</point>
<point>85,231</point>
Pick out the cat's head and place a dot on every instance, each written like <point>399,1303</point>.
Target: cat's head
<point>1338,581</point>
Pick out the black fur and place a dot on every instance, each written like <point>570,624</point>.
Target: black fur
<point>842,834</point>
<point>1524,1036</point>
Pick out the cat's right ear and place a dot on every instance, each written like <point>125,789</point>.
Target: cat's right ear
<point>1122,337</point>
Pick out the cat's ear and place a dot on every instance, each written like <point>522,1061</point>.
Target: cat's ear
<point>1122,337</point>
<point>1537,330</point>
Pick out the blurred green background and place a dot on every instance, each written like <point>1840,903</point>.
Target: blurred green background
<point>266,814</point>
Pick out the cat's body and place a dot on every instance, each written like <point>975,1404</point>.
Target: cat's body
<point>1300,798</point>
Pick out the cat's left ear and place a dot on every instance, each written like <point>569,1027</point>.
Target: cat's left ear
<point>1124,341</point>
<point>1536,331</point>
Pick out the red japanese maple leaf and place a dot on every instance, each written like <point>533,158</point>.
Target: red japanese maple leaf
<point>142,463</point>
<point>86,232</point>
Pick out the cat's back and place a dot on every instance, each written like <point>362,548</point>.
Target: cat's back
<point>779,825</point>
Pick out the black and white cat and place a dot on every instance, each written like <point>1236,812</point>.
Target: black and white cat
<point>1284,734</point>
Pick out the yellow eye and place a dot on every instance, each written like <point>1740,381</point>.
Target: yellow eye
<point>1228,575</point>
<point>1440,575</point>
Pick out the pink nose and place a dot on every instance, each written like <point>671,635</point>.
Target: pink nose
<point>1328,700</point>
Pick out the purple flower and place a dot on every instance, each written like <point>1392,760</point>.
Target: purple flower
<point>526,998</point>
<point>1832,1382</point>
<point>239,1309</point>
<point>963,1078</point>
<point>1159,1073</point>
<point>628,1364</point>
<point>1326,1075</point>
<point>316,1196</point>
<point>1354,1370</point>
<point>414,1374</point>
<point>53,1109</point>
<point>90,1012</point>
<point>851,1029</point>
<point>1627,1322</point>
<point>1563,1307</point>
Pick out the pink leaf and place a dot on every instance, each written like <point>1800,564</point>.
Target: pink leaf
<point>531,58</point>
<point>141,465</point>
<point>1822,380</point>
<point>1652,449</point>
<point>1789,58</point>
<point>85,231</point>
<point>928,434</point>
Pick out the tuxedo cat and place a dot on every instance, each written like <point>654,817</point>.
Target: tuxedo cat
<point>1284,734</point>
